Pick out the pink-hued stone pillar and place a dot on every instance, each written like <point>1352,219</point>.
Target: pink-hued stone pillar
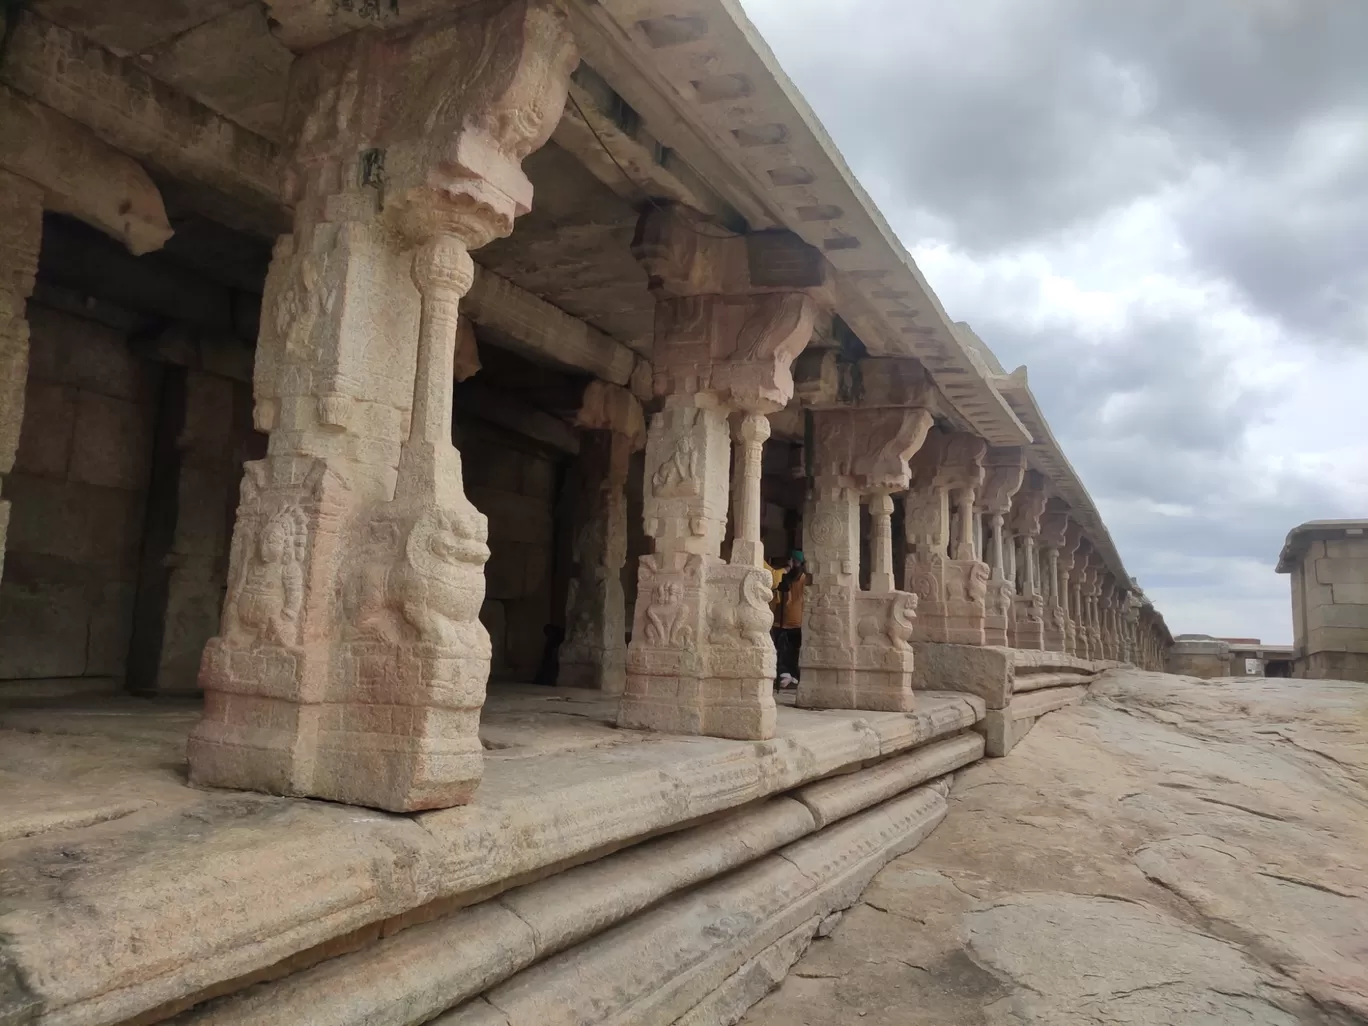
<point>21,218</point>
<point>856,651</point>
<point>1004,470</point>
<point>351,663</point>
<point>949,580</point>
<point>594,653</point>
<point>1027,629</point>
<point>881,574</point>
<point>1054,584</point>
<point>732,312</point>
<point>751,433</point>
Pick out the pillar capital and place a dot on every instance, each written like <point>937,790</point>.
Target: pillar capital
<point>1004,471</point>
<point>867,450</point>
<point>732,311</point>
<point>433,119</point>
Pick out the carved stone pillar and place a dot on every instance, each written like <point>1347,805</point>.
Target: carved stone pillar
<point>1084,632</point>
<point>1070,567</point>
<point>747,548</point>
<point>732,312</point>
<point>594,653</point>
<point>1027,628</point>
<point>948,579</point>
<point>1004,470</point>
<point>881,577</point>
<point>1053,528</point>
<point>21,215</point>
<point>351,663</point>
<point>856,652</point>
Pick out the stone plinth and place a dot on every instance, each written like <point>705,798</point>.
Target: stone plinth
<point>351,664</point>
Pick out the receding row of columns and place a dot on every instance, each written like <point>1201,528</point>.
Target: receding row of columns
<point>351,663</point>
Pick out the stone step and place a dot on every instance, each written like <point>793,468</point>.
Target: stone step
<point>1037,681</point>
<point>1004,728</point>
<point>420,972</point>
<point>205,892</point>
<point>684,957</point>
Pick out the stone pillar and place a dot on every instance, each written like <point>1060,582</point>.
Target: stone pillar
<point>594,653</point>
<point>21,215</point>
<point>881,576</point>
<point>747,548</point>
<point>1004,470</point>
<point>180,593</point>
<point>732,312</point>
<point>1069,568</point>
<point>1028,619</point>
<point>856,651</point>
<point>1086,630</point>
<point>948,579</point>
<point>351,663</point>
<point>1053,526</point>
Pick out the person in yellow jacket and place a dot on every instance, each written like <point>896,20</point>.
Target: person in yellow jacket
<point>788,631</point>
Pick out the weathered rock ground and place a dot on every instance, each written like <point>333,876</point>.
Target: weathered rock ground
<point>1172,851</point>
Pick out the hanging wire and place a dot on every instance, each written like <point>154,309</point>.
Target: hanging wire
<point>671,210</point>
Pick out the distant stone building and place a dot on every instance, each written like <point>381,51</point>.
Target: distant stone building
<point>1328,561</point>
<point>1199,655</point>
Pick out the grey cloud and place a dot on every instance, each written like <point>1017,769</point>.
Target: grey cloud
<point>1001,123</point>
<point>1008,128</point>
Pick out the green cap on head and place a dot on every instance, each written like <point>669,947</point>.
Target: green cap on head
<point>797,554</point>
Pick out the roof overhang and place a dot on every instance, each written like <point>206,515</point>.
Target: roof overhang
<point>1301,537</point>
<point>710,88</point>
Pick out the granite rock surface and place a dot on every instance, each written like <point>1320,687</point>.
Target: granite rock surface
<point>1171,851</point>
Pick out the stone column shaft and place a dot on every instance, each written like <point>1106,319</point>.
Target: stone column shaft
<point>881,543</point>
<point>747,548</point>
<point>21,218</point>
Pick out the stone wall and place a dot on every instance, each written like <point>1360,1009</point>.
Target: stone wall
<point>514,483</point>
<point>1330,609</point>
<point>1201,657</point>
<point>78,489</point>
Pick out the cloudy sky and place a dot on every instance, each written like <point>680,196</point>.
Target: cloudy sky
<point>1161,208</point>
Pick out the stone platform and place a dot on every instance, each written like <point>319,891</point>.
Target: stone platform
<point>130,896</point>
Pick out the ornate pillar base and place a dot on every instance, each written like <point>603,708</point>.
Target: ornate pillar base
<point>377,704</point>
<point>1028,623</point>
<point>701,660</point>
<point>1052,637</point>
<point>857,651</point>
<point>997,616</point>
<point>957,619</point>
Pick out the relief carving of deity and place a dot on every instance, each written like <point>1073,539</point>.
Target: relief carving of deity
<point>677,477</point>
<point>270,595</point>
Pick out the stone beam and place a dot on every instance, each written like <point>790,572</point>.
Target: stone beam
<point>80,175</point>
<point>545,333</point>
<point>148,120</point>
